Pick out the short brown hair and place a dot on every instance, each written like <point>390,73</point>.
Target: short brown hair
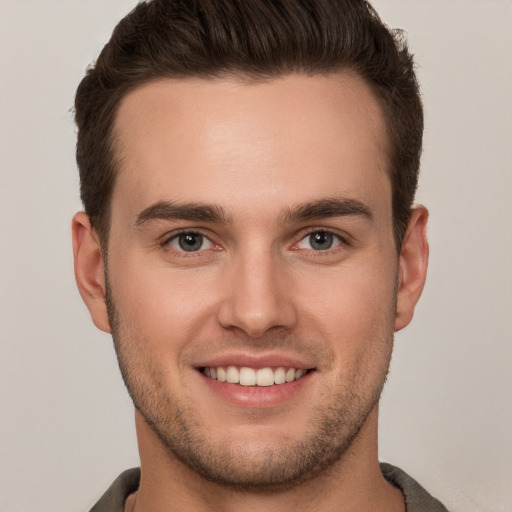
<point>256,39</point>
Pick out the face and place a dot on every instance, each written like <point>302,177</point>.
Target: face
<point>252,273</point>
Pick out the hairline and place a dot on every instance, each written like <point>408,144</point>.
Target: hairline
<point>243,77</point>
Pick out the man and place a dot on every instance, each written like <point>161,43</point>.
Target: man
<point>248,169</point>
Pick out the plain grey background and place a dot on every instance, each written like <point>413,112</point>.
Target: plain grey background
<point>66,423</point>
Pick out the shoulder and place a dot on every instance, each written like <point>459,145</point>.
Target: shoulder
<point>416,497</point>
<point>115,497</point>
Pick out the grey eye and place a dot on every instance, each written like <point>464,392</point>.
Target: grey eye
<point>321,240</point>
<point>190,242</point>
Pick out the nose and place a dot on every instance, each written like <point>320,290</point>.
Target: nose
<point>258,295</point>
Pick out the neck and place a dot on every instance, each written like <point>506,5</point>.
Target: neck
<point>353,483</point>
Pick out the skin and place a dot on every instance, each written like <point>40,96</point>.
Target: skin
<point>255,290</point>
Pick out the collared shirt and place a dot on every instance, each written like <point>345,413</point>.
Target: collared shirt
<point>416,498</point>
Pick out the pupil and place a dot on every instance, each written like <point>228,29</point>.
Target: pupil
<point>321,240</point>
<point>190,242</point>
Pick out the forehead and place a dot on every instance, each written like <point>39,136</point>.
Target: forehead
<point>235,142</point>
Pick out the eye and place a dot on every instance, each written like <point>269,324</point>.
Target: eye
<point>190,242</point>
<point>319,241</point>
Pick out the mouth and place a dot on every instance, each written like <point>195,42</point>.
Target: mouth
<point>252,377</point>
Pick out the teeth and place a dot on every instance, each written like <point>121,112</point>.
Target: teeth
<point>265,377</point>
<point>247,377</point>
<point>290,375</point>
<point>221,374</point>
<point>280,376</point>
<point>251,377</point>
<point>232,375</point>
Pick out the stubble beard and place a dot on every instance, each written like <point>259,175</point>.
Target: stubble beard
<point>184,435</point>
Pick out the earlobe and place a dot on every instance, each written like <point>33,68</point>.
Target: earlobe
<point>412,269</point>
<point>89,270</point>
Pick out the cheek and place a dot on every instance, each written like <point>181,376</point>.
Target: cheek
<point>355,310</point>
<point>162,305</point>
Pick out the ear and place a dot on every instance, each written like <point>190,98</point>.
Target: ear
<point>412,270</point>
<point>89,270</point>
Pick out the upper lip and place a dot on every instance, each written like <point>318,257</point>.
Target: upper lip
<point>255,361</point>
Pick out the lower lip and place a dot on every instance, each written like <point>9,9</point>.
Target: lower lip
<point>256,396</point>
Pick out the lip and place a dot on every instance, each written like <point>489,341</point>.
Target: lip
<point>255,397</point>
<point>259,397</point>
<point>256,361</point>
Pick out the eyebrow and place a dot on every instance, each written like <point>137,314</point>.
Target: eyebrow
<point>322,208</point>
<point>326,208</point>
<point>168,210</point>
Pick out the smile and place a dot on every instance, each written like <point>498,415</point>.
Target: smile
<point>245,376</point>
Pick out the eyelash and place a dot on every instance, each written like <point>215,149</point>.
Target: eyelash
<point>175,236</point>
<point>341,241</point>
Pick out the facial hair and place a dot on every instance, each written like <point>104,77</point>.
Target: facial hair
<point>183,431</point>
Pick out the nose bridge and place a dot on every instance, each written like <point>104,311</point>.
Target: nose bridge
<point>257,297</point>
